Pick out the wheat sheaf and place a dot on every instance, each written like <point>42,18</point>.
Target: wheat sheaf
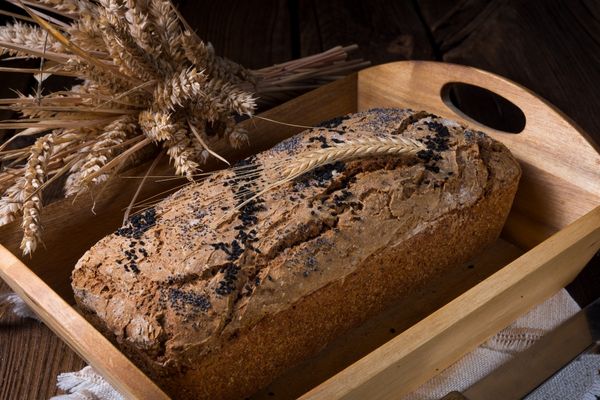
<point>145,82</point>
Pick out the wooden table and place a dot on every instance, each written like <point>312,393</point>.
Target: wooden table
<point>550,46</point>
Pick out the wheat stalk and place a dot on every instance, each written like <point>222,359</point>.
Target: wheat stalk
<point>67,6</point>
<point>11,203</point>
<point>349,150</point>
<point>181,151</point>
<point>179,89</point>
<point>359,148</point>
<point>142,28</point>
<point>35,174</point>
<point>157,125</point>
<point>148,79</point>
<point>99,153</point>
<point>27,36</point>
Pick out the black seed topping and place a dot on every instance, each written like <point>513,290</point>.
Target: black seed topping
<point>321,139</point>
<point>425,155</point>
<point>227,284</point>
<point>245,235</point>
<point>439,129</point>
<point>138,224</point>
<point>334,122</point>
<point>179,298</point>
<point>323,174</point>
<point>435,144</point>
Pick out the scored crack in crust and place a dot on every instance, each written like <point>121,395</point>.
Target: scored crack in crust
<point>214,302</point>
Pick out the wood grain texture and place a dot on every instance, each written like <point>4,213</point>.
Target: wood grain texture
<point>384,30</point>
<point>81,336</point>
<point>552,47</point>
<point>375,332</point>
<point>442,338</point>
<point>548,188</point>
<point>31,357</point>
<point>255,33</point>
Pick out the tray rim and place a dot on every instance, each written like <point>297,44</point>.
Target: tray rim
<point>47,303</point>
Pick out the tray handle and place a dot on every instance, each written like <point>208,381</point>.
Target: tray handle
<point>550,141</point>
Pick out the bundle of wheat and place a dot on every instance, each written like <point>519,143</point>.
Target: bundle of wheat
<point>146,80</point>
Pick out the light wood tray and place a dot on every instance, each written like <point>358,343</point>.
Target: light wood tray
<point>552,232</point>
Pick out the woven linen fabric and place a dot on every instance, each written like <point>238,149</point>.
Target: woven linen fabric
<point>85,385</point>
<point>578,380</point>
<point>500,348</point>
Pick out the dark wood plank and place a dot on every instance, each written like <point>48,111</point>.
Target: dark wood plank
<point>551,47</point>
<point>385,30</point>
<point>255,33</point>
<point>31,357</point>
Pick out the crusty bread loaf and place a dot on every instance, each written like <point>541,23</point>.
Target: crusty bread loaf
<point>215,303</point>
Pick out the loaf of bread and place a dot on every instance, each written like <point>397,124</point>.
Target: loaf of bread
<point>214,301</point>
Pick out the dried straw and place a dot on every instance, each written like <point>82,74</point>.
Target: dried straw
<point>349,150</point>
<point>147,79</point>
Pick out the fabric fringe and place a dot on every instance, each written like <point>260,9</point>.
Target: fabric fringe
<point>11,302</point>
<point>85,385</point>
<point>514,340</point>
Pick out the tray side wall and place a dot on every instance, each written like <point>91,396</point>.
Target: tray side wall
<point>76,331</point>
<point>441,339</point>
<point>561,169</point>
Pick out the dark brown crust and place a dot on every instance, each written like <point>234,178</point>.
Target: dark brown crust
<point>242,344</point>
<point>302,330</point>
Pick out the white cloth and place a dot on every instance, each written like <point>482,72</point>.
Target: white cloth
<point>85,385</point>
<point>515,338</point>
<point>17,306</point>
<point>578,380</point>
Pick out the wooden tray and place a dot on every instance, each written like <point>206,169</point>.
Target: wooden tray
<point>552,232</point>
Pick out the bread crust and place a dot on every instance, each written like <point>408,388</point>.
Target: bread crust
<point>209,318</point>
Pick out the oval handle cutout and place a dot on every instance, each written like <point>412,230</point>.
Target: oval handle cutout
<point>483,106</point>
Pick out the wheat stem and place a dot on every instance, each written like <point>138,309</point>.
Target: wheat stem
<point>350,150</point>
<point>139,188</point>
<point>139,61</point>
<point>35,174</point>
